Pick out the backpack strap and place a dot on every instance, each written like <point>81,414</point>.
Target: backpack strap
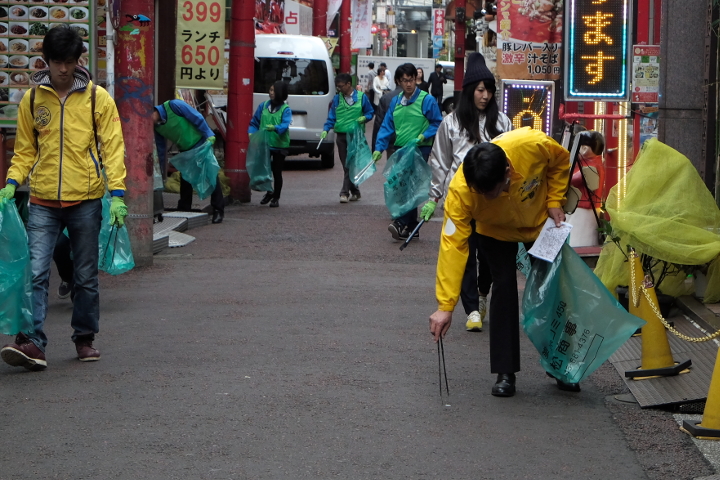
<point>92,109</point>
<point>32,114</point>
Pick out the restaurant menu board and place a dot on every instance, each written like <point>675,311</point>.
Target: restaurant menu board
<point>23,24</point>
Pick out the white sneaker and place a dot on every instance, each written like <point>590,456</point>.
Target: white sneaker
<point>482,308</point>
<point>343,198</point>
<point>474,322</point>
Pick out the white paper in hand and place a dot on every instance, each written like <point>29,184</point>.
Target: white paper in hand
<point>550,241</point>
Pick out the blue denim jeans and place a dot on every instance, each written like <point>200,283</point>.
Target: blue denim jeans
<point>411,218</point>
<point>83,224</point>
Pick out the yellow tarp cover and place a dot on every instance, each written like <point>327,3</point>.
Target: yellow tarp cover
<point>667,213</point>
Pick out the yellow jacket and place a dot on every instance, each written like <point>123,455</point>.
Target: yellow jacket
<point>63,164</point>
<point>540,170</point>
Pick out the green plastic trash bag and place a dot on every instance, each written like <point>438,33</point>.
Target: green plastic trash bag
<point>522,260</point>
<point>258,162</point>
<point>359,157</point>
<point>15,273</point>
<point>115,254</point>
<point>407,180</point>
<point>199,167</point>
<point>571,318</point>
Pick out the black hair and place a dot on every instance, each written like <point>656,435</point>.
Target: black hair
<point>62,43</point>
<point>484,167</point>
<point>281,92</point>
<point>343,78</point>
<point>371,65</point>
<point>381,70</point>
<point>468,115</point>
<point>437,65</point>
<point>405,69</point>
<point>383,64</point>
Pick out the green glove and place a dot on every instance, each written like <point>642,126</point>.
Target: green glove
<point>376,156</point>
<point>8,192</point>
<point>428,210</point>
<point>323,135</point>
<point>362,120</point>
<point>421,137</point>
<point>118,211</point>
<point>270,128</point>
<point>211,140</point>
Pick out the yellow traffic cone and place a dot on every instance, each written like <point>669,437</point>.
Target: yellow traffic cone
<point>709,428</point>
<point>657,358</point>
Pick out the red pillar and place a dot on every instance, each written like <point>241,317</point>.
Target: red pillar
<point>460,18</point>
<point>240,97</point>
<point>345,37</point>
<point>320,18</point>
<point>134,86</point>
<point>612,173</point>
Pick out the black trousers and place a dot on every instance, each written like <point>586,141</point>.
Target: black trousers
<point>61,256</point>
<point>504,305</point>
<point>477,278</point>
<point>347,187</point>
<point>186,192</point>
<point>278,162</point>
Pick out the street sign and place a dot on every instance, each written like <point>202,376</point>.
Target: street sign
<point>597,57</point>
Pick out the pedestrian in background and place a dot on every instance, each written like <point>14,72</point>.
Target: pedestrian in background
<point>348,107</point>
<point>57,122</point>
<point>411,115</point>
<point>274,116</point>
<point>509,188</point>
<point>420,81</point>
<point>178,122</point>
<point>381,84</point>
<point>380,112</point>
<point>476,119</point>
<point>437,80</point>
<point>369,90</point>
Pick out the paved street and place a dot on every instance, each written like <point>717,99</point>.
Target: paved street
<point>293,343</point>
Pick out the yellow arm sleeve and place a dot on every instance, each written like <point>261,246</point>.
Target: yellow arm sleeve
<point>453,245</point>
<point>111,138</point>
<point>25,148</point>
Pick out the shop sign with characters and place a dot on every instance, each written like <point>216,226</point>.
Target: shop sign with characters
<point>200,44</point>
<point>529,41</point>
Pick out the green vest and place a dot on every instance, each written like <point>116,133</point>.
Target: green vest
<point>410,121</point>
<point>346,115</point>
<point>178,130</point>
<point>267,118</point>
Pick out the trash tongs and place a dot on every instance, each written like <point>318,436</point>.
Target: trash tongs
<point>410,237</point>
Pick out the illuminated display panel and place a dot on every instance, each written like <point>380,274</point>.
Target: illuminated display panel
<point>597,39</point>
<point>528,103</point>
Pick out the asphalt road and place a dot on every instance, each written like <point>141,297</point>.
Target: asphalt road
<point>293,343</point>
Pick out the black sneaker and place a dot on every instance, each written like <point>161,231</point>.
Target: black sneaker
<point>64,290</point>
<point>274,203</point>
<point>395,228</point>
<point>406,231</point>
<point>268,196</point>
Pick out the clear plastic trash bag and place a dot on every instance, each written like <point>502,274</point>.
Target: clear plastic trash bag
<point>199,167</point>
<point>258,162</point>
<point>407,180</point>
<point>574,322</point>
<point>359,157</point>
<point>15,273</point>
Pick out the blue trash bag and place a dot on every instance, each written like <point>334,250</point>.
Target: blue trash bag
<point>115,254</point>
<point>258,162</point>
<point>15,273</point>
<point>572,319</point>
<point>199,167</point>
<point>522,260</point>
<point>407,182</point>
<point>359,157</point>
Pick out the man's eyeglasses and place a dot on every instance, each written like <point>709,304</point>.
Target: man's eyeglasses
<point>407,80</point>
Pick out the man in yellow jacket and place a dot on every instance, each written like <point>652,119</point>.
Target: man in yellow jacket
<point>56,149</point>
<point>509,187</point>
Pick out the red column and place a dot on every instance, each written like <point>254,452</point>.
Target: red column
<point>240,97</point>
<point>134,86</point>
<point>320,18</point>
<point>345,37</point>
<point>459,46</point>
<point>611,145</point>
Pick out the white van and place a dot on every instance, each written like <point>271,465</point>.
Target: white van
<point>303,63</point>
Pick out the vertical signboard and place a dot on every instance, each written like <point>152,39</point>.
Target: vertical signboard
<point>361,11</point>
<point>529,103</point>
<point>438,30</point>
<point>597,65</point>
<point>298,18</point>
<point>200,45</point>
<point>646,74</point>
<point>22,28</point>
<point>529,39</point>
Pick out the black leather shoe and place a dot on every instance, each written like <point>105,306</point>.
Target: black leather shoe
<point>268,196</point>
<point>566,387</point>
<point>274,203</point>
<point>218,217</point>
<point>505,385</point>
